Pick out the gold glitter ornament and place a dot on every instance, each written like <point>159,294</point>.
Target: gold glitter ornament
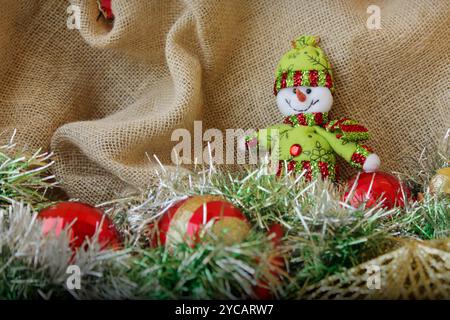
<point>440,183</point>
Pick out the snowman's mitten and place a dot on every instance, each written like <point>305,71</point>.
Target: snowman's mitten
<point>372,163</point>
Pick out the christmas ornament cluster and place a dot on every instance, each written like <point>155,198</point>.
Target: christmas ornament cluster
<point>239,234</point>
<point>183,223</point>
<point>309,143</point>
<point>220,236</point>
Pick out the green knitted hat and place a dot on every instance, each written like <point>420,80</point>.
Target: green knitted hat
<point>304,65</point>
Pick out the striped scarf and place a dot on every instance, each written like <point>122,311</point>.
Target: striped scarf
<point>346,129</point>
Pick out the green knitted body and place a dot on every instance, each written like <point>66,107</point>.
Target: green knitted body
<point>305,144</point>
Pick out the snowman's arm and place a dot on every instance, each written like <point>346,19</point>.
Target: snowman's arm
<point>265,137</point>
<point>356,155</point>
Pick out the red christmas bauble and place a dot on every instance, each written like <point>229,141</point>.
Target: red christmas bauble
<point>85,220</point>
<point>374,187</point>
<point>105,8</point>
<point>261,291</point>
<point>184,221</point>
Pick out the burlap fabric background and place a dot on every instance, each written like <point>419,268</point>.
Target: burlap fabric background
<point>101,99</point>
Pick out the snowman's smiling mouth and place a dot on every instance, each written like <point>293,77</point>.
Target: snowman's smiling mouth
<point>301,110</point>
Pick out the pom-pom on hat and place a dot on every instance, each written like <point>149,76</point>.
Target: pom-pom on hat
<point>304,65</point>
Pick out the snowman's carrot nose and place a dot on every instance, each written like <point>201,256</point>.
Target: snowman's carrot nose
<point>300,95</point>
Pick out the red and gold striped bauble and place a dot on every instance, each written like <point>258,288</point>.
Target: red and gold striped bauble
<point>185,220</point>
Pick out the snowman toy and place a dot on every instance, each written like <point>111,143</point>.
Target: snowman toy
<point>307,139</point>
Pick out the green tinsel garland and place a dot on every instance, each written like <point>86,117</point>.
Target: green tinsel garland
<point>323,237</point>
<point>22,175</point>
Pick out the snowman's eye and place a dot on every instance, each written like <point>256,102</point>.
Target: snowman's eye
<point>308,91</point>
<point>294,90</point>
